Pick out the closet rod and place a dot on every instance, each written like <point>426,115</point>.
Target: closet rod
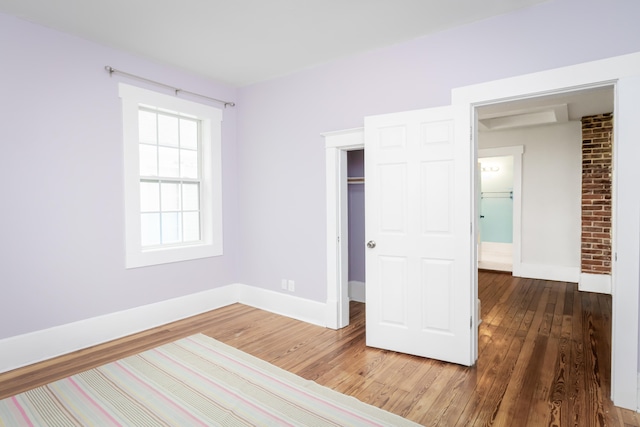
<point>112,70</point>
<point>498,194</point>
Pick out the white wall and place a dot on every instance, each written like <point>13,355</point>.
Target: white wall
<point>551,188</point>
<point>501,179</point>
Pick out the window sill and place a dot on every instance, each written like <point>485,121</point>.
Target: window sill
<point>155,256</point>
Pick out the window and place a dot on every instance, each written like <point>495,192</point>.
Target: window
<point>172,150</point>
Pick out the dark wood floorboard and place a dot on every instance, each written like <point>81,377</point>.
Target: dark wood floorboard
<point>544,359</point>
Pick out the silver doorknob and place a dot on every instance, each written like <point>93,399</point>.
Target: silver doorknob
<point>371,244</point>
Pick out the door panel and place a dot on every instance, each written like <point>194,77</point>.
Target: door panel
<point>437,299</point>
<point>393,198</point>
<point>436,182</point>
<point>393,290</point>
<point>418,275</point>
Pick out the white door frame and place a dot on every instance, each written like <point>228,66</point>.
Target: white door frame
<point>337,144</point>
<point>515,152</point>
<point>626,203</point>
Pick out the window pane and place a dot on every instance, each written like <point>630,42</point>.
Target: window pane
<point>148,160</point>
<point>171,228</point>
<point>170,197</point>
<point>167,130</point>
<point>188,134</point>
<point>169,161</point>
<point>188,164</point>
<point>150,229</point>
<point>149,196</point>
<point>190,197</point>
<point>191,226</point>
<point>147,127</point>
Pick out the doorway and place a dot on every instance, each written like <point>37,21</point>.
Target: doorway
<point>337,145</point>
<point>495,234</point>
<point>550,131</point>
<point>623,73</point>
<point>355,223</point>
<point>499,244</point>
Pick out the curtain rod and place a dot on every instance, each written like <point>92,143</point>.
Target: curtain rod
<point>112,70</point>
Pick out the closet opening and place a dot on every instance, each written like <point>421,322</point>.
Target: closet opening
<point>355,223</point>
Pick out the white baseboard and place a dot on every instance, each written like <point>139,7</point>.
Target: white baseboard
<point>331,314</point>
<point>549,272</point>
<point>287,305</point>
<point>638,395</point>
<point>33,347</point>
<point>590,282</point>
<point>357,291</point>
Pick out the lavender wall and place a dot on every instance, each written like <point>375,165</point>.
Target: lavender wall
<point>281,153</point>
<point>62,217</point>
<point>62,247</point>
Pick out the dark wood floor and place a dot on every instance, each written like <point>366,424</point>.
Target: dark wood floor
<point>544,359</point>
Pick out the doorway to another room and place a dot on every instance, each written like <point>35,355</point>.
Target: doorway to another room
<point>499,208</point>
<point>546,193</point>
<point>495,234</point>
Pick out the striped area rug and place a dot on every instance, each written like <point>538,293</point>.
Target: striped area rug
<point>196,381</point>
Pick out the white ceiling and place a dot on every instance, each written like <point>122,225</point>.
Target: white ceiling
<point>240,42</point>
<point>549,109</point>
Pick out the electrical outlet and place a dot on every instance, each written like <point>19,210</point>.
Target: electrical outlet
<point>291,285</point>
<point>283,284</point>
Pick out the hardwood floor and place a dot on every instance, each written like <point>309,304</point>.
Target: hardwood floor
<point>544,359</point>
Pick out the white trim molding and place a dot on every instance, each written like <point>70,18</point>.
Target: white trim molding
<point>623,73</point>
<point>638,403</point>
<point>590,282</point>
<point>284,304</point>
<point>337,144</point>
<point>33,347</point>
<point>209,179</point>
<point>549,272</point>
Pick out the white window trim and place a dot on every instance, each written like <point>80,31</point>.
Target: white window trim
<point>211,191</point>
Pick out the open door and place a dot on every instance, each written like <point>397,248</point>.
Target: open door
<point>419,232</point>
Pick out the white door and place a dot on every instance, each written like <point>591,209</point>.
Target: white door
<point>419,233</point>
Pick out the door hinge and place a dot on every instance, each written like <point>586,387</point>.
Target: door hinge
<point>470,322</point>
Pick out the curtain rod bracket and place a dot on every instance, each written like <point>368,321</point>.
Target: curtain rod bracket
<point>112,70</point>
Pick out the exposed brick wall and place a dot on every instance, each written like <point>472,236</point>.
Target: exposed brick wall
<point>597,138</point>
